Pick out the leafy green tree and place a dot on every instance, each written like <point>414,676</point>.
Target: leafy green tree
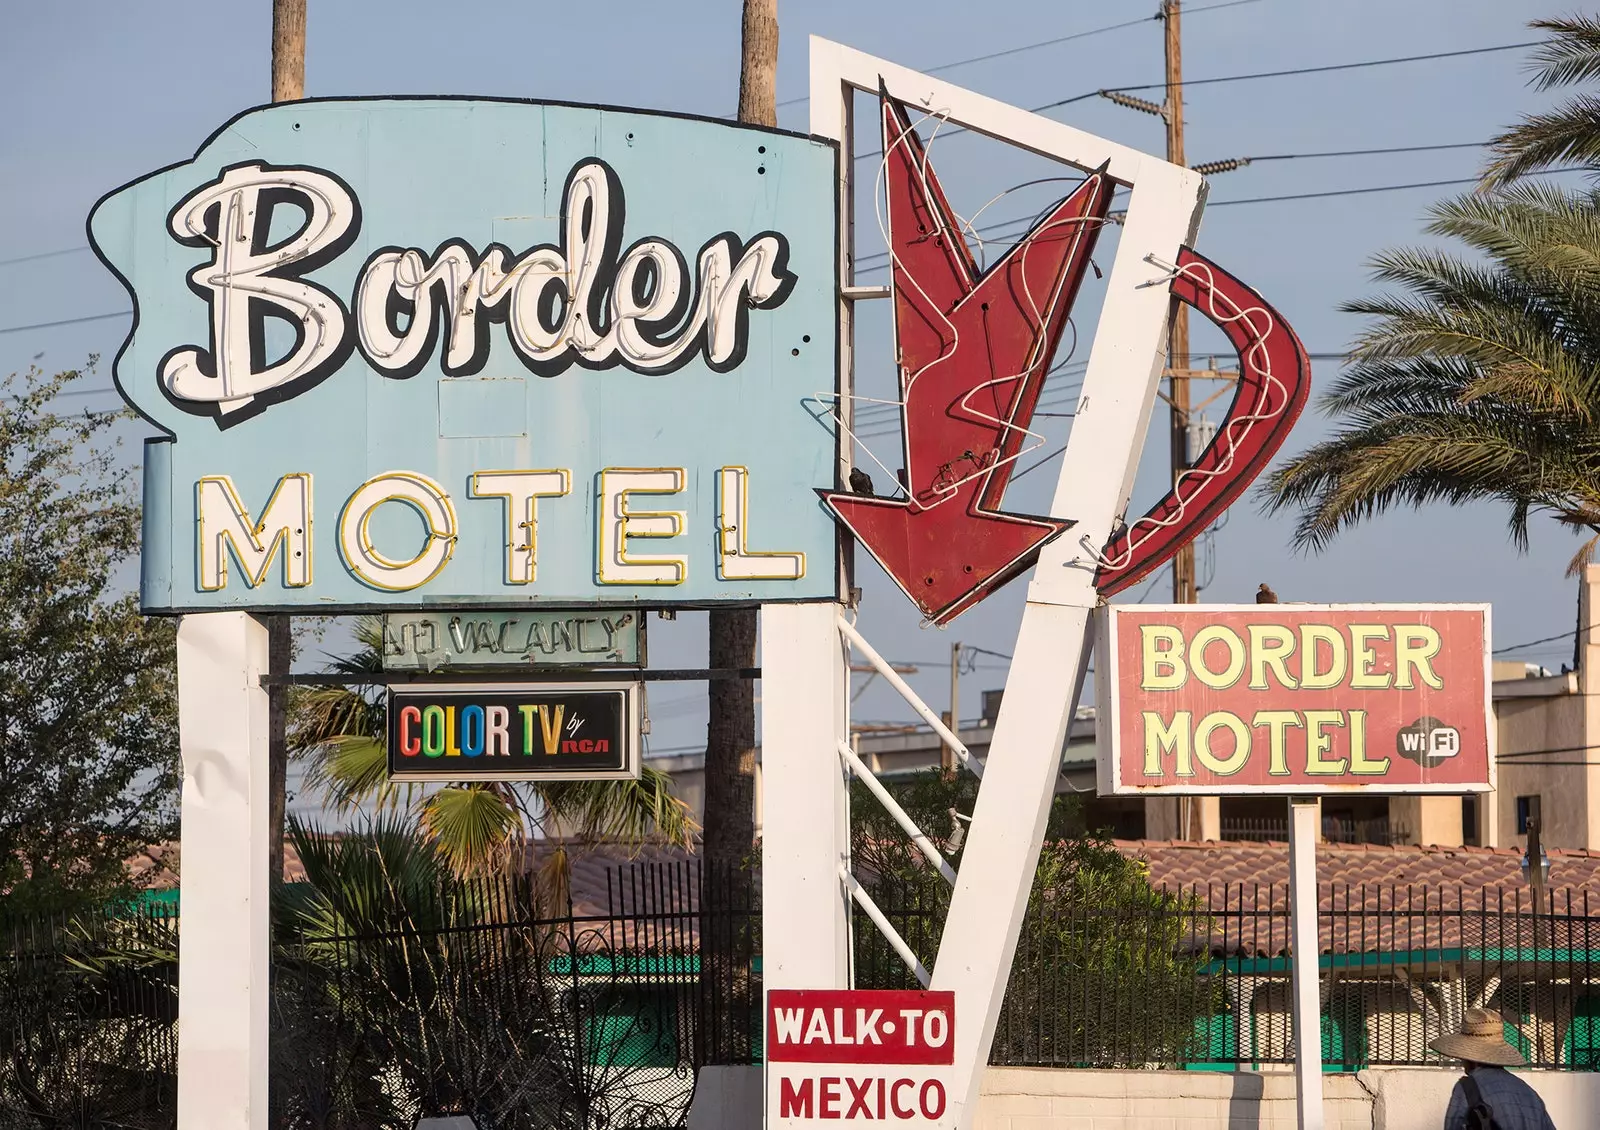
<point>339,732</point>
<point>1478,378</point>
<point>88,707</point>
<point>1096,934</point>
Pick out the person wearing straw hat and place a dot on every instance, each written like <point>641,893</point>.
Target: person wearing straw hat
<point>1489,1097</point>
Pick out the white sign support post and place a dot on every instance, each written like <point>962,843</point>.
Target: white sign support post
<point>226,945</point>
<point>1305,952</point>
<point>805,831</point>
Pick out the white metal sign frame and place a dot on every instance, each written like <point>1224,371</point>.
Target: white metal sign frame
<point>806,927</point>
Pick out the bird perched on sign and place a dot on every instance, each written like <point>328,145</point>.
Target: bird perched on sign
<point>1264,595</point>
<point>860,482</point>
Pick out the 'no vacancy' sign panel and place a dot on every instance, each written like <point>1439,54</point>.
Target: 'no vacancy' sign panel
<point>859,1055</point>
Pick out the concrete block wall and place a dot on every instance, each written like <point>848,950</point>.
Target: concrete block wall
<point>1021,1098</point>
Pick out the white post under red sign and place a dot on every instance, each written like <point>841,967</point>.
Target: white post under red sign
<point>1296,700</point>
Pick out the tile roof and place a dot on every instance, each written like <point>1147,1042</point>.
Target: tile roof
<point>1375,899</point>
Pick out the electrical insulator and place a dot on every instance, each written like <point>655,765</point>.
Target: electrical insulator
<point>1143,105</point>
<point>1207,168</point>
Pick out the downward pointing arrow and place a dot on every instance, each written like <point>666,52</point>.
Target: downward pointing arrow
<point>973,348</point>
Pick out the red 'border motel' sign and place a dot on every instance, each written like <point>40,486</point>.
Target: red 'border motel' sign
<point>859,1055</point>
<point>1295,698</point>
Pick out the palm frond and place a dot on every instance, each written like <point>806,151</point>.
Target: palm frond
<point>1569,134</point>
<point>627,812</point>
<point>352,771</point>
<point>472,826</point>
<point>1570,55</point>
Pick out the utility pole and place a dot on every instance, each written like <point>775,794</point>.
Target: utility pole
<point>288,84</point>
<point>1178,344</point>
<point>947,755</point>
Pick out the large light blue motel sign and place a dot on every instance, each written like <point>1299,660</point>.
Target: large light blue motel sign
<point>415,352</point>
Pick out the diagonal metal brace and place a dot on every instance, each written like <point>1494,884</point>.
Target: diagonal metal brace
<point>886,669</point>
<point>901,817</point>
<point>885,927</point>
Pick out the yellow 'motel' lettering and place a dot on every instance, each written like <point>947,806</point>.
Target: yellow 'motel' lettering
<point>1159,738</point>
<point>1277,723</point>
<point>1185,742</point>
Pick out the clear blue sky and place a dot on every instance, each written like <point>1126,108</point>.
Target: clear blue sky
<point>102,91</point>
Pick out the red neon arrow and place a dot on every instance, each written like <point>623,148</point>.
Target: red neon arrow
<point>972,352</point>
<point>1274,384</point>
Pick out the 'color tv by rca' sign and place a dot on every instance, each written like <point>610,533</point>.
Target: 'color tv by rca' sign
<point>530,732</point>
<point>1295,698</point>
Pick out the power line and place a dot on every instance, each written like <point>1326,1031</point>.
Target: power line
<point>1547,639</point>
<point>65,322</point>
<point>1009,51</point>
<point>1326,68</point>
<point>1294,71</point>
<point>1345,192</point>
<point>43,255</point>
<point>1367,152</point>
<point>1025,220</point>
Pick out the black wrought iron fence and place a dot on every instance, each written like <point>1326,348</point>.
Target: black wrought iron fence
<point>88,1013</point>
<point>582,1021</point>
<point>601,1019</point>
<point>1335,829</point>
<point>1199,978</point>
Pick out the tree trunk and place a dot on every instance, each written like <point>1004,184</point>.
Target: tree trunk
<point>280,653</point>
<point>730,788</point>
<point>288,84</point>
<point>728,911</point>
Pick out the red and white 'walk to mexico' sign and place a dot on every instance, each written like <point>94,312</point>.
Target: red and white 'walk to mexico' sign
<point>859,1055</point>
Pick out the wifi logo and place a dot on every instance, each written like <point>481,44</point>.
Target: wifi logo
<point>1427,741</point>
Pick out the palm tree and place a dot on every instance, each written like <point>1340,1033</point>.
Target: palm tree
<point>1479,378</point>
<point>339,732</point>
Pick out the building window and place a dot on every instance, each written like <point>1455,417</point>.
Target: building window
<point>1469,821</point>
<point>1527,810</point>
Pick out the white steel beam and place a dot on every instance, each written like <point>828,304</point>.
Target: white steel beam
<point>805,835</point>
<point>225,946</point>
<point>1093,486</point>
<point>1096,478</point>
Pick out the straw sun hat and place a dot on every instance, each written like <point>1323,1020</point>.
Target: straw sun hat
<point>1481,1040</point>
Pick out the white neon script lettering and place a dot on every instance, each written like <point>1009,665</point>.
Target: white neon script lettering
<point>584,300</point>
<point>572,301</point>
<point>246,275</point>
